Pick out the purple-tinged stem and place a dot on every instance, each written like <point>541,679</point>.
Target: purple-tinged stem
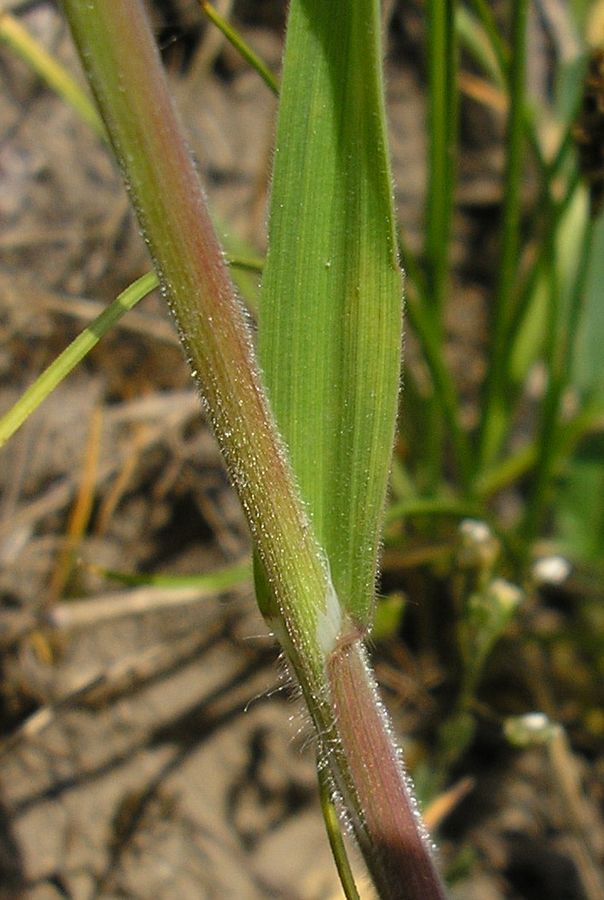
<point>377,791</point>
<point>124,69</point>
<point>125,72</point>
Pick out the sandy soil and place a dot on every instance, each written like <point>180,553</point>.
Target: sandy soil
<point>161,755</point>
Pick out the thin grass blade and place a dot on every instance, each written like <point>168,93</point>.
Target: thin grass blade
<point>50,70</point>
<point>73,354</point>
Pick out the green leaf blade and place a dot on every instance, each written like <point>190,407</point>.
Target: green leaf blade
<point>331,311</point>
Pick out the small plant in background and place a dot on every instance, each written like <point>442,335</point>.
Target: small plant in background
<point>308,445</point>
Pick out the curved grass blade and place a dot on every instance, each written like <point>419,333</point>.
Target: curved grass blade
<point>90,336</point>
<point>73,354</point>
<point>234,38</point>
<point>331,312</point>
<point>51,71</point>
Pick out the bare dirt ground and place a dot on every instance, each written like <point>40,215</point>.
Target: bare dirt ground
<point>160,755</point>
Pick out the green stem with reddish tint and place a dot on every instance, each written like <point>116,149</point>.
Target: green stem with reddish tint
<point>132,95</point>
<point>384,814</point>
<point>124,70</point>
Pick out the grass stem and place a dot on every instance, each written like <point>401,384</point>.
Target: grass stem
<point>334,833</point>
<point>442,128</point>
<point>298,598</point>
<point>494,417</point>
<point>563,333</point>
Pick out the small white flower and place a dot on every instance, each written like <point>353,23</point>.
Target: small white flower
<point>551,570</point>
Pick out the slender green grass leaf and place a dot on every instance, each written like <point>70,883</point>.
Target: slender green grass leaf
<point>495,415</point>
<point>579,511</point>
<point>485,47</point>
<point>588,369</point>
<point>330,318</point>
<point>220,579</point>
<point>50,70</point>
<point>432,506</point>
<point>562,253</point>
<point>442,126</point>
<point>72,355</point>
<point>91,335</point>
<point>234,38</point>
<point>334,833</point>
<point>498,48</point>
<point>420,320</point>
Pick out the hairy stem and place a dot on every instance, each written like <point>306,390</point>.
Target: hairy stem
<point>124,69</point>
<point>146,135</point>
<point>385,816</point>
